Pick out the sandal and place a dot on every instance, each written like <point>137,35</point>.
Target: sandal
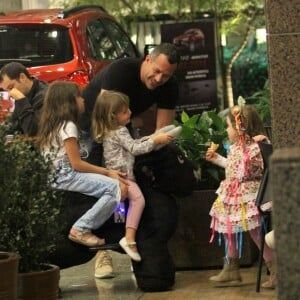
<point>128,248</point>
<point>85,238</point>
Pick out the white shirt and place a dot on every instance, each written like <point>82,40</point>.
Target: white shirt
<point>57,150</point>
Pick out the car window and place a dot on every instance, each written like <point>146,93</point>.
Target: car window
<point>99,42</point>
<point>122,42</point>
<point>35,45</point>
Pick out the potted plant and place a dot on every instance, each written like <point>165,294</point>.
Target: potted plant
<point>198,132</point>
<point>29,211</point>
<point>9,275</point>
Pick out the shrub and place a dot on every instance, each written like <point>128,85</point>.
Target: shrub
<point>29,207</point>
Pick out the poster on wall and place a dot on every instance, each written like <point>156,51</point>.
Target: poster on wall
<point>197,70</point>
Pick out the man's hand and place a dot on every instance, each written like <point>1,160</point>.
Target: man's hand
<point>16,94</point>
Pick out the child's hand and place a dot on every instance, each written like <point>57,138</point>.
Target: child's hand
<point>211,154</point>
<point>260,138</point>
<point>162,138</point>
<point>117,175</point>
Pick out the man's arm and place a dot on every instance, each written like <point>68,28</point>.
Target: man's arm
<point>26,114</point>
<point>164,117</point>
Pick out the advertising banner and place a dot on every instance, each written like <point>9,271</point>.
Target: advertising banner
<point>197,70</point>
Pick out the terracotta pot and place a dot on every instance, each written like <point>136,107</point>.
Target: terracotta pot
<point>9,263</point>
<point>39,285</point>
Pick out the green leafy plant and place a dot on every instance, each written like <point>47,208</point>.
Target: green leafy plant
<point>249,71</point>
<point>198,131</point>
<point>261,101</point>
<point>29,207</point>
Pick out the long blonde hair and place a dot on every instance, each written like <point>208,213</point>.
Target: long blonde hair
<point>59,107</point>
<point>108,105</point>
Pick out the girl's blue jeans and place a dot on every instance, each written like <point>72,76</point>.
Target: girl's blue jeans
<point>104,188</point>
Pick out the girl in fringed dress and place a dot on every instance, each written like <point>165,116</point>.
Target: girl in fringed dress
<point>234,211</point>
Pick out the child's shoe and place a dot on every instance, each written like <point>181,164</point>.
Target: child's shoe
<point>128,248</point>
<point>271,283</point>
<point>85,238</point>
<point>229,276</point>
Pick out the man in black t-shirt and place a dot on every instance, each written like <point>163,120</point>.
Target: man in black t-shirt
<point>145,82</point>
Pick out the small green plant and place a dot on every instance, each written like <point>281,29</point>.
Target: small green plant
<point>29,207</point>
<point>261,101</point>
<point>198,131</point>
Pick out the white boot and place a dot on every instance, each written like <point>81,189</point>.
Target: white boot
<point>229,276</point>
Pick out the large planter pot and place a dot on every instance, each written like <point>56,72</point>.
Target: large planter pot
<point>39,285</point>
<point>9,263</point>
<point>190,247</point>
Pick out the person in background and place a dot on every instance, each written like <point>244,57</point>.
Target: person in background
<point>110,117</point>
<point>58,139</point>
<point>146,82</point>
<point>234,211</point>
<point>28,94</point>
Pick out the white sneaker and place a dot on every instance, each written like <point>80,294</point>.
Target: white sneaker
<point>103,265</point>
<point>174,132</point>
<point>165,129</point>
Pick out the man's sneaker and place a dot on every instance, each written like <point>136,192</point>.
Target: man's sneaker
<point>103,265</point>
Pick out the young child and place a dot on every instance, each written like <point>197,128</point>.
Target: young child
<point>234,211</point>
<point>111,114</point>
<point>58,139</point>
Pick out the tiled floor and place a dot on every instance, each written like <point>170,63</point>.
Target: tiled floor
<point>78,283</point>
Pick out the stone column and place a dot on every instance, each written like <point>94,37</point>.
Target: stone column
<point>285,181</point>
<point>283,38</point>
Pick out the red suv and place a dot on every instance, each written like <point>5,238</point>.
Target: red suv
<point>72,44</point>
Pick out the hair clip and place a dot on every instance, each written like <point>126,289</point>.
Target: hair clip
<point>241,102</point>
<point>240,128</point>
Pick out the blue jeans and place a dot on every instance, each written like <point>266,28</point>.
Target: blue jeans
<point>99,186</point>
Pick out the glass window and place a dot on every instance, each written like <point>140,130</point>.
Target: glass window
<point>122,41</point>
<point>99,42</point>
<point>35,45</point>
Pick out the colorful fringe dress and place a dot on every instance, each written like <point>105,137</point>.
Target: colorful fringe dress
<point>234,211</point>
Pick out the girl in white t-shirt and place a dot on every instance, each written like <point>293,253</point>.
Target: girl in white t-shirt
<point>58,138</point>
